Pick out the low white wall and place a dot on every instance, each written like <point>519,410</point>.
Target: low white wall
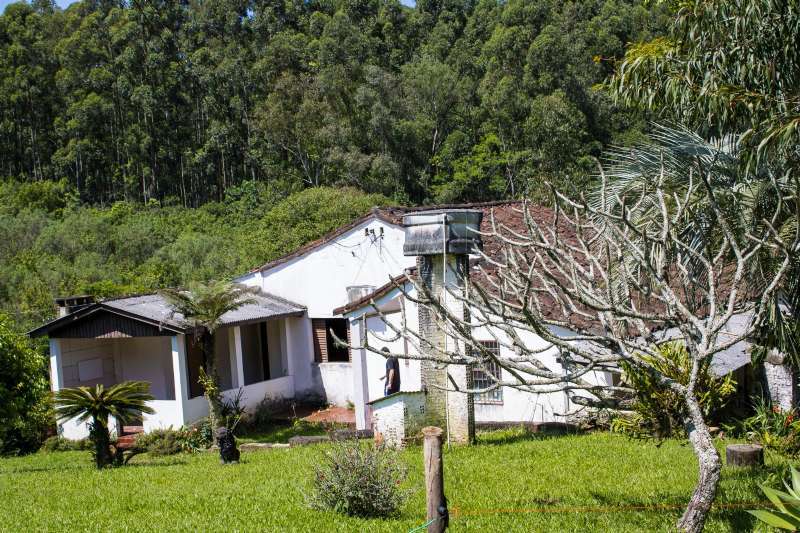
<point>337,382</point>
<point>279,388</point>
<point>167,414</point>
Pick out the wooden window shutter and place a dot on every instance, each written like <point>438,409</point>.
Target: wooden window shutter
<point>320,338</point>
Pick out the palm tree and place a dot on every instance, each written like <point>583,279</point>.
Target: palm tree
<point>686,163</point>
<point>124,401</point>
<point>203,307</point>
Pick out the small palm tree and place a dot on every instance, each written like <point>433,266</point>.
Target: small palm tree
<point>124,401</point>
<point>202,307</point>
<point>681,160</point>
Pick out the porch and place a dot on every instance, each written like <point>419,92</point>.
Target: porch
<point>106,343</point>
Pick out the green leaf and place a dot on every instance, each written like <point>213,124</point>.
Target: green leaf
<point>776,520</point>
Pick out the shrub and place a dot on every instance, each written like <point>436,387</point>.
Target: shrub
<point>197,437</point>
<point>263,414</point>
<point>359,480</point>
<point>659,411</point>
<point>25,408</point>
<point>58,443</point>
<point>774,428</point>
<point>160,442</point>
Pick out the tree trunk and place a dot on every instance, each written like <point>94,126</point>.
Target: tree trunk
<point>709,464</point>
<point>212,391</point>
<point>99,436</point>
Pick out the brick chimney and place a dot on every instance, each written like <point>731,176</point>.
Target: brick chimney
<point>442,240</point>
<point>70,304</point>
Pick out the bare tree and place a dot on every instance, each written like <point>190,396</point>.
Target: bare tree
<point>602,283</point>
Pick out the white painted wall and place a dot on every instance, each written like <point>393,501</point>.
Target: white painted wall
<point>146,359</point>
<point>397,418</point>
<point>337,382</point>
<point>319,278</point>
<point>376,364</point>
<point>517,406</point>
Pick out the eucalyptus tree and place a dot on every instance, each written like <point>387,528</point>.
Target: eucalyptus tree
<point>726,67</point>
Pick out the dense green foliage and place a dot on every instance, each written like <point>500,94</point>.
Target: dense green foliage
<point>659,412</point>
<point>181,100</point>
<point>571,479</point>
<point>102,407</point>
<point>726,67</point>
<point>51,246</point>
<point>25,413</point>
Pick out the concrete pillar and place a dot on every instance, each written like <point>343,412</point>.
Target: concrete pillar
<point>56,372</point>
<point>180,375</point>
<point>360,378</point>
<point>287,346</point>
<point>237,359</point>
<point>442,241</point>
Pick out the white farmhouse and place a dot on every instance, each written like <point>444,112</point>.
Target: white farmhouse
<point>282,346</point>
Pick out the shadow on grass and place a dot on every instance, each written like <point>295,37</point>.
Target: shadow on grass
<point>736,516</point>
<point>519,434</point>
<point>29,469</point>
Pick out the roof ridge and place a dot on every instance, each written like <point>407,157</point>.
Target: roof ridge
<point>378,212</point>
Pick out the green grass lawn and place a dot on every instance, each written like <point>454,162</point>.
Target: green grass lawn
<point>62,491</point>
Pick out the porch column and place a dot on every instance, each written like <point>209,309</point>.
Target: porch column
<point>180,374</point>
<point>359,366</point>
<point>287,336</point>
<point>56,373</point>
<point>237,364</point>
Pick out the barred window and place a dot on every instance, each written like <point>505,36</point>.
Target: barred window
<point>482,377</point>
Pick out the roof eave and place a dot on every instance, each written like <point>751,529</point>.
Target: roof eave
<point>61,322</point>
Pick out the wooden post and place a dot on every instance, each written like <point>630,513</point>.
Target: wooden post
<point>434,480</point>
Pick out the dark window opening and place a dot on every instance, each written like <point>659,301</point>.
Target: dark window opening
<point>326,349</point>
<point>262,329</point>
<point>194,362</point>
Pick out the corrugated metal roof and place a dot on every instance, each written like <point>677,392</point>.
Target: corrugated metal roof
<point>734,357</point>
<point>155,307</point>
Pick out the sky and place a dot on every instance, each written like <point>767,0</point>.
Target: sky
<point>65,3</point>
<point>4,3</point>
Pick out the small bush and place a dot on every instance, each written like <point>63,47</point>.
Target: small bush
<point>774,428</point>
<point>359,480</point>
<point>160,442</point>
<point>197,437</point>
<point>659,412</point>
<point>263,414</point>
<point>60,444</point>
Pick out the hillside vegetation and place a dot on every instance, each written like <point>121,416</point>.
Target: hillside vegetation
<point>179,101</point>
<point>52,245</point>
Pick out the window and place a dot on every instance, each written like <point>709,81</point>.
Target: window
<point>325,348</point>
<point>487,375</point>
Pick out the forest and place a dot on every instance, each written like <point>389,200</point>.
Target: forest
<point>177,101</point>
<point>146,144</point>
